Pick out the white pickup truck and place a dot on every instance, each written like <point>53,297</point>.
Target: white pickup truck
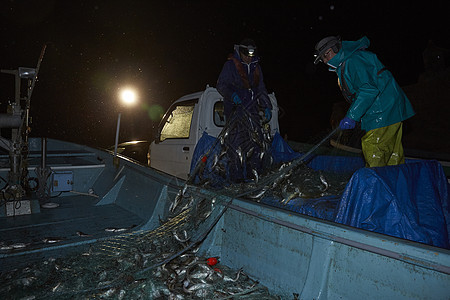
<point>183,125</point>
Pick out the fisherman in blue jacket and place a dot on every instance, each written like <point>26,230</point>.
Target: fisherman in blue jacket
<point>246,107</point>
<point>376,100</point>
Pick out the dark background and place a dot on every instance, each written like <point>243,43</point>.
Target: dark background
<point>166,49</point>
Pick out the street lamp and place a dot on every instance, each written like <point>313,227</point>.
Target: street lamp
<point>128,97</point>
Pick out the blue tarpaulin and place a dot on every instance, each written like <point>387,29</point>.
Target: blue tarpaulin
<point>337,164</point>
<point>409,201</point>
<point>281,151</point>
<point>207,147</point>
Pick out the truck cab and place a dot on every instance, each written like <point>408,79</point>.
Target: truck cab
<point>184,124</point>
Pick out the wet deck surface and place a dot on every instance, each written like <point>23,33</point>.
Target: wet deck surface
<point>76,213</point>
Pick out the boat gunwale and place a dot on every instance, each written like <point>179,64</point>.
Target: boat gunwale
<point>396,248</point>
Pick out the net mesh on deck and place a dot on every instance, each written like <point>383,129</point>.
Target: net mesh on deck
<point>154,264</point>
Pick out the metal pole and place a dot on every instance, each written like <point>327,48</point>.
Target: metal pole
<point>318,145</point>
<point>43,153</point>
<point>117,134</point>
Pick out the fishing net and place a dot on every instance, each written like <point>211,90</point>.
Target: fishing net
<point>268,165</point>
<point>164,263</point>
<point>155,264</point>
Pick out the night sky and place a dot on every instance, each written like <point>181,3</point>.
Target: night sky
<point>165,49</point>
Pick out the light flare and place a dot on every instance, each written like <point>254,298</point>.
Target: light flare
<point>128,96</point>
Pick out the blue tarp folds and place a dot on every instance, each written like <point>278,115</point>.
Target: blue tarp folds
<point>207,145</point>
<point>281,151</point>
<point>409,201</point>
<point>337,164</point>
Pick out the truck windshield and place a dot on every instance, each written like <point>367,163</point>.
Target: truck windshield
<point>178,121</point>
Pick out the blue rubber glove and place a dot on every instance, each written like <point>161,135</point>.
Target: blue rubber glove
<point>347,123</point>
<point>236,99</point>
<point>268,114</point>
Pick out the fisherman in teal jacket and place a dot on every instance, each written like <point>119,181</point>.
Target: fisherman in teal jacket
<point>376,100</point>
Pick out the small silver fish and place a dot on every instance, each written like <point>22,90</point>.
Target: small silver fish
<point>178,238</point>
<point>108,293</point>
<point>220,168</point>
<point>239,153</point>
<point>283,165</point>
<point>55,288</point>
<point>18,245</point>
<point>176,201</point>
<point>291,196</point>
<point>184,190</point>
<point>222,153</point>
<point>227,132</point>
<point>115,229</point>
<point>215,161</point>
<point>52,240</point>
<point>324,182</point>
<point>250,152</point>
<point>195,287</point>
<point>259,194</point>
<point>226,278</point>
<point>254,137</point>
<point>82,234</point>
<point>255,174</point>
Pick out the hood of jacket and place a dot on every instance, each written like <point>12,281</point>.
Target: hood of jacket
<point>347,49</point>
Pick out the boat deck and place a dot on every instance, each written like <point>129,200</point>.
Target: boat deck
<point>55,229</point>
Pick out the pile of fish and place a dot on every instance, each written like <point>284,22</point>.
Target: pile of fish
<point>186,277</point>
<point>291,181</point>
<point>192,277</point>
<point>304,182</point>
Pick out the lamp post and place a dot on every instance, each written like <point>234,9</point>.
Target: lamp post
<point>127,97</point>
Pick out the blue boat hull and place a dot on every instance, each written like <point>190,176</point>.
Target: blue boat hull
<point>295,254</point>
<point>290,253</point>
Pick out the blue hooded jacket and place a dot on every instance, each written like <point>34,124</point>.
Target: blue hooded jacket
<point>378,100</point>
<point>230,82</point>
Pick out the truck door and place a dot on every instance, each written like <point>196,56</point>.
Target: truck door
<point>172,149</point>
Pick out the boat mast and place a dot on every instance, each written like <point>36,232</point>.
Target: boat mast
<point>17,119</point>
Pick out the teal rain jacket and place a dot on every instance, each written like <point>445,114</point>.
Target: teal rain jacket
<point>378,100</point>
